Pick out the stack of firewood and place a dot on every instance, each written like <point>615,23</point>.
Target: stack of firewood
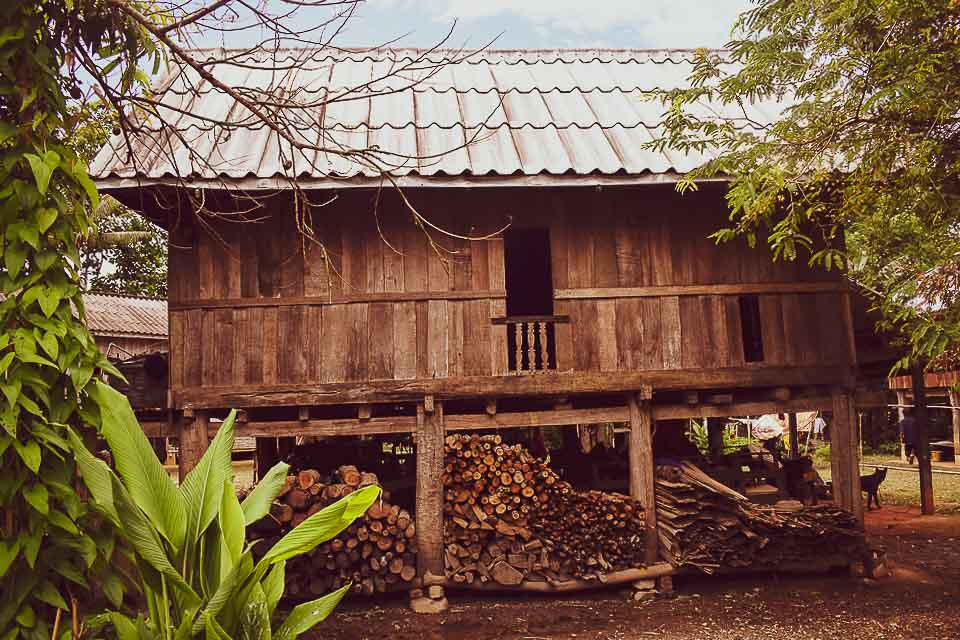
<point>375,553</point>
<point>705,524</point>
<point>508,518</point>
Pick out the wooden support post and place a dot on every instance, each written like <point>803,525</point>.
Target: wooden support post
<point>955,403</point>
<point>922,440</point>
<point>642,481</point>
<point>844,462</point>
<point>794,436</point>
<point>194,440</point>
<point>902,400</point>
<point>266,455</point>
<point>714,437</point>
<point>284,447</point>
<point>429,498</point>
<point>491,407</point>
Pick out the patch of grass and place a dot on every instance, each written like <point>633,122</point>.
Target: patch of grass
<point>903,487</point>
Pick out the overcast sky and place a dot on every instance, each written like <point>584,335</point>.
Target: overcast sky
<point>544,23</point>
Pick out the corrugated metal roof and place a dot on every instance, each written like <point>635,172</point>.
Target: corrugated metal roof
<point>495,113</point>
<point>125,316</point>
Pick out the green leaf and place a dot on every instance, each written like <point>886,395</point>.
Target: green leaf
<point>46,592</point>
<point>96,476</point>
<point>150,487</point>
<point>323,525</point>
<point>5,362</point>
<point>307,615</point>
<point>8,553</point>
<point>38,498</point>
<point>213,629</point>
<point>43,168</point>
<point>29,453</point>
<point>202,489</point>
<point>50,344</point>
<point>14,256</point>
<point>49,301</point>
<point>124,626</point>
<point>112,588</point>
<point>81,176</point>
<point>11,391</point>
<point>45,218</point>
<point>227,592</point>
<point>257,503</point>
<point>231,524</point>
<point>273,585</point>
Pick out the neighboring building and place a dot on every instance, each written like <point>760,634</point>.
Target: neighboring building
<point>604,300</point>
<point>127,326</point>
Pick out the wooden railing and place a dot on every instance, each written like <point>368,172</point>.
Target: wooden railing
<point>531,342</point>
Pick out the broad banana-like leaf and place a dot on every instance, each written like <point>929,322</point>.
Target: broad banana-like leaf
<point>145,478</point>
<point>202,489</point>
<point>307,615</point>
<point>273,585</point>
<point>231,527</point>
<point>96,476</point>
<point>141,534</point>
<point>257,503</point>
<point>323,525</point>
<point>228,591</point>
<point>214,630</point>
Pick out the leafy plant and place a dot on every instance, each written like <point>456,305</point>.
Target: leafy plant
<point>197,574</point>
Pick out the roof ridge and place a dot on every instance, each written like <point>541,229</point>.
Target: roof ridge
<point>125,296</point>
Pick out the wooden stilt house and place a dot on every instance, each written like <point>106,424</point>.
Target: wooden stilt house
<point>602,300</point>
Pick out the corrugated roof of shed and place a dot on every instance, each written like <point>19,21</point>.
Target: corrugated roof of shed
<point>126,316</point>
<point>523,113</point>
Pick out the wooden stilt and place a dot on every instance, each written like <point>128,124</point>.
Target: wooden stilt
<point>429,502</point>
<point>794,436</point>
<point>955,403</point>
<point>844,461</point>
<point>642,482</point>
<point>715,429</point>
<point>921,417</point>
<point>266,455</point>
<point>902,400</point>
<point>194,440</point>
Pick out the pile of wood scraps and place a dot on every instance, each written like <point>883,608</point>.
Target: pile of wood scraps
<point>705,524</point>
<point>510,520</point>
<point>377,553</point>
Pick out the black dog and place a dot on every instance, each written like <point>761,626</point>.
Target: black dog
<point>871,484</point>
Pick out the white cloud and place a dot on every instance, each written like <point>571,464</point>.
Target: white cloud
<point>656,23</point>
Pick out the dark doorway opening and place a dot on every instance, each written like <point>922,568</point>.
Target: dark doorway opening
<point>752,331</point>
<point>531,339</point>
<point>529,278</point>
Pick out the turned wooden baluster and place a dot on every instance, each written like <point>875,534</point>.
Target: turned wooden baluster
<point>544,351</point>
<point>518,333</point>
<point>531,347</point>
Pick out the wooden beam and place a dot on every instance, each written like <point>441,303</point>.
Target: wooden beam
<point>491,407</point>
<point>844,463</point>
<point>749,408</point>
<point>642,481</point>
<point>542,384</point>
<point>429,492</point>
<point>303,413</point>
<point>364,412</point>
<point>921,418</point>
<point>300,301</point>
<point>194,441</point>
<point>700,290</point>
<point>901,401</point>
<point>955,414</point>
<point>527,419</point>
<point>794,436</point>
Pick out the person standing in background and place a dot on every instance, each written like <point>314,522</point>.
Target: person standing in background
<point>907,430</point>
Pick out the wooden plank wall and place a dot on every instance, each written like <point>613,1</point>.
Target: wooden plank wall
<point>246,309</point>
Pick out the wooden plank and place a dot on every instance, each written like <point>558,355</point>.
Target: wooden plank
<point>292,344</point>
<point>692,333</point>
<point>830,329</point>
<point>683,252</point>
<point>208,344</point>
<point>844,450</point>
<point>559,239</point>
<point>498,340</point>
<point>698,290</point>
<point>771,324</point>
<point>566,360</point>
<point>269,346</point>
<point>241,344</point>
<point>194,441</point>
<point>585,339</point>
<point>405,340</point>
<point>630,341</point>
<point>462,266</point>
<point>387,296</point>
<point>477,331</point>
<point>546,383</point>
<point>651,356</point>
<point>429,491</point>
<point>206,282</point>
<point>357,343</point>
<point>715,331</point>
<point>393,268</point>
<point>580,251</point>
<point>455,339</point>
<point>659,248</point>
<point>642,481</point>
<point>606,329</point>
<point>671,332</point>
<point>252,346</point>
<point>313,330</point>
<point>415,259</point>
<point>374,248</point>
<point>223,332</point>
<point>800,348</point>
<point>316,276</point>
<point>479,266</point>
<point>747,408</point>
<point>353,260</point>
<point>735,357</point>
<point>249,265</point>
<point>333,344</point>
<point>437,339</point>
<point>423,345</point>
<point>177,320</point>
<point>381,341</point>
<point>495,265</point>
<point>604,254</point>
<point>439,267</point>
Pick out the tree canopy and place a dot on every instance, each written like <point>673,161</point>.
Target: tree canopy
<point>860,169</point>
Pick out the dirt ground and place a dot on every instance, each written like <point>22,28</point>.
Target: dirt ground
<point>921,600</point>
